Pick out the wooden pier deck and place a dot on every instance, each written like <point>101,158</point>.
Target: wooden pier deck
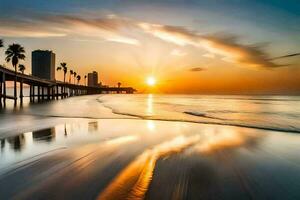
<point>42,89</point>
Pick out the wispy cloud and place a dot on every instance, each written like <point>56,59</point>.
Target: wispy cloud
<point>196,69</point>
<point>286,56</point>
<point>110,27</point>
<point>178,52</point>
<point>224,45</point>
<point>28,28</point>
<point>209,55</point>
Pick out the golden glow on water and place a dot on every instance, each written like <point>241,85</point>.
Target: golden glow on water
<point>223,139</point>
<point>133,181</point>
<point>122,140</point>
<point>166,164</point>
<point>150,104</point>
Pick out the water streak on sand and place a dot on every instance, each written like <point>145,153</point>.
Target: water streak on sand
<point>133,181</point>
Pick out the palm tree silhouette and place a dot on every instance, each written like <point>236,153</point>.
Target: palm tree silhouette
<point>14,53</point>
<point>74,73</point>
<point>65,69</point>
<point>21,68</point>
<point>70,75</point>
<point>85,80</point>
<point>119,84</point>
<point>58,68</point>
<point>78,79</point>
<point>63,66</point>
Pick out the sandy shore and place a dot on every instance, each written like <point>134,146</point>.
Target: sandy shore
<point>144,159</point>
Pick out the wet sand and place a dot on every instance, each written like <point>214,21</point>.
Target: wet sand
<point>145,159</point>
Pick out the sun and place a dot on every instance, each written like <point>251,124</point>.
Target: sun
<point>151,81</point>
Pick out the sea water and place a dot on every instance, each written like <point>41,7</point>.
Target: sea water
<point>156,146</point>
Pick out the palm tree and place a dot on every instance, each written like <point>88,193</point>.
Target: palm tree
<point>58,68</point>
<point>78,79</point>
<point>119,84</point>
<point>65,69</point>
<point>85,80</point>
<point>74,73</point>
<point>14,53</point>
<point>63,66</point>
<point>70,75</point>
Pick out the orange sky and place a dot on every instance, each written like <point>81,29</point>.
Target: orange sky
<point>185,55</point>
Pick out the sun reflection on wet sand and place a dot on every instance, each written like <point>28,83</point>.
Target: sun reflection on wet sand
<point>133,181</point>
<point>123,139</point>
<point>148,159</point>
<point>150,125</point>
<point>222,139</point>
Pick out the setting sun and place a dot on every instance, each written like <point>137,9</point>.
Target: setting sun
<point>151,81</point>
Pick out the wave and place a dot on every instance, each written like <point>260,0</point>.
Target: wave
<point>200,114</point>
<point>289,129</point>
<point>273,118</point>
<point>270,98</point>
<point>283,121</point>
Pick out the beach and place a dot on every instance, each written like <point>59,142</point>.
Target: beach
<point>163,147</point>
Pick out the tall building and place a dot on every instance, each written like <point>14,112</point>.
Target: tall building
<point>43,64</point>
<point>93,79</point>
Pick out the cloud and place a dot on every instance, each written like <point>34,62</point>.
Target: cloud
<point>178,52</point>
<point>27,28</point>
<point>286,56</point>
<point>209,55</point>
<point>196,69</point>
<point>109,28</point>
<point>224,45</point>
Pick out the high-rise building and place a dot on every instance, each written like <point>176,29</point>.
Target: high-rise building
<point>43,64</point>
<point>93,79</point>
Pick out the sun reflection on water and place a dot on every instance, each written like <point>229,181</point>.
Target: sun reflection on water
<point>150,125</point>
<point>150,105</point>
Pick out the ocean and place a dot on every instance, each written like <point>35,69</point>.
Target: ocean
<point>152,146</point>
<point>280,113</point>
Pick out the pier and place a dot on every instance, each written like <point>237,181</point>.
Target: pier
<point>43,89</point>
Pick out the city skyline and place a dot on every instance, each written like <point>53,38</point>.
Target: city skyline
<point>204,49</point>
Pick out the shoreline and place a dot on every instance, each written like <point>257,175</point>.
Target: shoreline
<point>58,120</point>
<point>87,112</point>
